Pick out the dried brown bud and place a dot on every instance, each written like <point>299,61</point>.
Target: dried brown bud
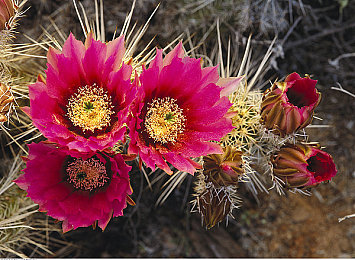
<point>6,100</point>
<point>223,169</point>
<point>214,206</point>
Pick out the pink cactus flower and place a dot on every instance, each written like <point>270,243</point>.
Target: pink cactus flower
<point>80,189</point>
<point>288,106</point>
<point>85,100</point>
<point>303,166</point>
<point>179,110</point>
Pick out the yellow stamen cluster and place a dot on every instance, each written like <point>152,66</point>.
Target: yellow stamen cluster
<point>90,108</point>
<point>87,175</point>
<point>164,120</point>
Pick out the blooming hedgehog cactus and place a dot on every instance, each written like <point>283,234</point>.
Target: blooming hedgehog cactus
<point>86,95</point>
<point>179,110</point>
<point>175,114</point>
<point>80,189</point>
<point>82,108</point>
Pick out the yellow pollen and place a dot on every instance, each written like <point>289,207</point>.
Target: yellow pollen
<point>90,108</point>
<point>87,175</point>
<point>164,120</point>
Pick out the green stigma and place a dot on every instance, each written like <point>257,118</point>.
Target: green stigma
<point>88,106</point>
<point>169,117</point>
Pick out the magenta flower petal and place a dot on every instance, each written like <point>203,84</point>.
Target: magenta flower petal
<point>210,75</point>
<point>179,110</point>
<point>115,51</point>
<point>320,164</point>
<point>52,57</point>
<point>84,103</point>
<point>301,92</point>
<point>76,188</point>
<point>191,148</point>
<point>179,162</point>
<point>158,61</point>
<point>230,85</point>
<point>94,61</point>
<point>75,50</point>
<point>177,52</point>
<point>293,77</point>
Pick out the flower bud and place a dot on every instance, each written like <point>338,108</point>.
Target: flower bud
<point>6,100</point>
<point>214,206</point>
<point>8,9</point>
<point>288,106</point>
<point>302,166</point>
<point>223,169</point>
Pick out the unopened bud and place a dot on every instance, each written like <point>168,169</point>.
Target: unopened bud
<point>8,9</point>
<point>302,166</point>
<point>223,169</point>
<point>288,106</point>
<point>214,205</point>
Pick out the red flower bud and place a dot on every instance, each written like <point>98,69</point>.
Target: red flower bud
<point>8,9</point>
<point>302,166</point>
<point>288,106</point>
<point>223,169</point>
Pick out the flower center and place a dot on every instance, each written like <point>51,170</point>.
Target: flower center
<point>90,108</point>
<point>301,94</point>
<point>320,167</point>
<point>164,120</point>
<point>87,175</point>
